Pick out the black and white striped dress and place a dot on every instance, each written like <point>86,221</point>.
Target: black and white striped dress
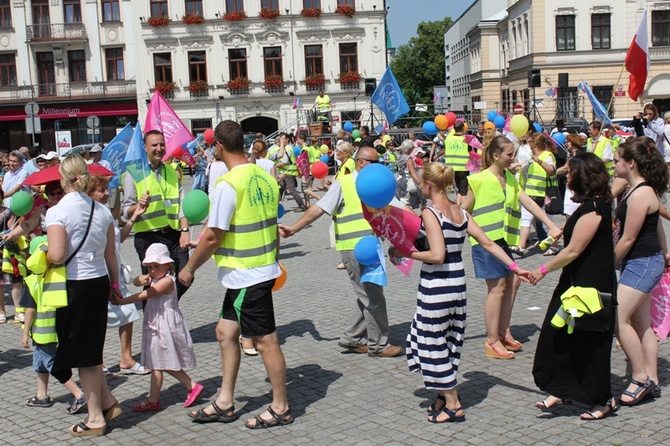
<point>435,339</point>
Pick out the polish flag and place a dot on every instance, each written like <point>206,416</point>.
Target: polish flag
<point>637,60</point>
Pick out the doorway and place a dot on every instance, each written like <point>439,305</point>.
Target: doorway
<point>260,124</point>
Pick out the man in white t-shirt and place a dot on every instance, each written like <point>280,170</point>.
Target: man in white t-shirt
<point>14,177</point>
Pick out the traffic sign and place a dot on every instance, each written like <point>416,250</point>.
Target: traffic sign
<point>92,131</point>
<point>93,122</point>
<point>518,109</point>
<point>32,108</point>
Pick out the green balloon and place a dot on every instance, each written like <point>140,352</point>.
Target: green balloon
<point>37,241</point>
<point>195,206</point>
<point>22,202</point>
<point>356,134</point>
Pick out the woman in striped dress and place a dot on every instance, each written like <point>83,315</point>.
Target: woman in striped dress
<point>435,340</point>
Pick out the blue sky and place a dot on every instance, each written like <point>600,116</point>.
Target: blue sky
<point>405,15</point>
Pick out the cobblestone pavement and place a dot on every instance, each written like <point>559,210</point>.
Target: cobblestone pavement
<point>337,398</point>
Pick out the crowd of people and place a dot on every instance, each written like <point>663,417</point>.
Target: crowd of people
<point>606,176</point>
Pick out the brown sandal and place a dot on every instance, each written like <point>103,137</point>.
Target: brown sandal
<point>276,420</point>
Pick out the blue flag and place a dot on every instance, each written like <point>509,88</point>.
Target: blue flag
<point>598,109</point>
<point>376,273</point>
<point>389,98</point>
<point>115,152</point>
<point>136,161</point>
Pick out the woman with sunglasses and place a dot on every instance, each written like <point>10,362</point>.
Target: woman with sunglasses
<point>34,221</point>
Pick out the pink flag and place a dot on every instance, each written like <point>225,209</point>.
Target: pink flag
<point>637,60</point>
<point>473,142</point>
<point>660,306</point>
<point>507,121</point>
<point>296,102</point>
<point>396,225</point>
<point>161,117</point>
<point>303,164</point>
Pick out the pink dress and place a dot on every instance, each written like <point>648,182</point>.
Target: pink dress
<point>166,342</point>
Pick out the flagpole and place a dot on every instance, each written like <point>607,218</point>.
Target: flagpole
<point>609,106</point>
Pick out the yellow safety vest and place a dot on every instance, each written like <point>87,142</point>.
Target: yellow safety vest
<point>323,103</point>
<point>600,150</point>
<point>536,183</point>
<point>576,302</point>
<point>43,330</point>
<point>349,164</point>
<point>157,216</point>
<point>497,213</point>
<point>350,225</point>
<point>456,153</point>
<point>14,252</point>
<point>290,168</point>
<point>251,239</point>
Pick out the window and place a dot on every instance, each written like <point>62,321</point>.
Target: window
<point>345,2</point>
<point>272,61</point>
<point>198,126</point>
<point>163,67</point>
<point>7,70</point>
<point>5,14</point>
<point>348,57</point>
<point>313,59</point>
<point>565,32</point>
<point>660,28</point>
<point>115,70</point>
<point>234,6</point>
<point>193,7</point>
<point>72,11</point>
<point>159,8</point>
<point>270,4</point>
<point>604,94</point>
<point>311,4</point>
<point>110,11</point>
<point>77,65</point>
<point>600,31</point>
<point>197,66</point>
<point>237,63</point>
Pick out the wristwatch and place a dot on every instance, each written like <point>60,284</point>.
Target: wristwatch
<point>184,229</point>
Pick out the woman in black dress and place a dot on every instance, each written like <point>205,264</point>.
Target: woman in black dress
<point>576,366</point>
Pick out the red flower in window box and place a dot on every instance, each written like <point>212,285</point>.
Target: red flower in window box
<point>235,16</point>
<point>315,80</point>
<point>311,12</point>
<point>192,19</point>
<point>274,80</point>
<point>196,86</point>
<point>165,87</point>
<point>345,10</point>
<point>350,77</point>
<point>159,22</point>
<point>238,83</point>
<point>267,13</point>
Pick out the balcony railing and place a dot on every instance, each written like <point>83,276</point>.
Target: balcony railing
<point>350,86</point>
<point>70,90</point>
<point>238,92</point>
<point>59,31</point>
<point>199,94</point>
<point>275,90</point>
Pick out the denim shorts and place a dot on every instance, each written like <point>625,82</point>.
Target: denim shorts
<point>487,266</point>
<point>43,357</point>
<point>642,273</point>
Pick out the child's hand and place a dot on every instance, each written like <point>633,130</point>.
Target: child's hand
<point>144,280</point>
<point>116,297</point>
<point>25,340</point>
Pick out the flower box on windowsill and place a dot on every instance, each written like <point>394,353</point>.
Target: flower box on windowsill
<point>350,85</point>
<point>274,81</point>
<point>267,13</point>
<point>166,88</point>
<point>159,22</point>
<point>193,19</point>
<point>350,77</point>
<point>311,12</point>
<point>198,89</point>
<point>235,16</point>
<point>345,10</point>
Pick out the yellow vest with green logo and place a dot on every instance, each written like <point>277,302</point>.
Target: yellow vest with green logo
<point>497,213</point>
<point>290,168</point>
<point>323,103</point>
<point>456,153</point>
<point>156,215</point>
<point>536,182</point>
<point>313,153</point>
<point>350,225</point>
<point>600,150</point>
<point>43,330</point>
<point>349,165</point>
<point>251,239</point>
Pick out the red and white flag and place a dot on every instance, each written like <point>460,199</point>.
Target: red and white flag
<point>637,60</point>
<point>161,116</point>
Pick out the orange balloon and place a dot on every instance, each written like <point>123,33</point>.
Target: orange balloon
<point>465,126</point>
<point>489,125</point>
<point>281,280</point>
<point>441,122</point>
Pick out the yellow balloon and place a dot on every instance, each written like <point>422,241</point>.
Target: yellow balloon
<point>324,149</point>
<point>519,125</point>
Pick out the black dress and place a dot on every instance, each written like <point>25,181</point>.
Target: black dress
<point>577,366</point>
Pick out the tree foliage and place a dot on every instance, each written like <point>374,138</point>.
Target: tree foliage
<point>419,65</point>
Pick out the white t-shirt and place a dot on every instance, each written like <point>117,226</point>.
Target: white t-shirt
<point>266,164</point>
<point>72,212</point>
<point>13,179</point>
<point>221,213</point>
<point>216,170</point>
<point>333,199</point>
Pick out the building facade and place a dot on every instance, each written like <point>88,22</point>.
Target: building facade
<point>562,44</point>
<point>259,62</point>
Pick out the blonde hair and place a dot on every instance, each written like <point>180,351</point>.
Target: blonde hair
<point>441,175</point>
<point>345,147</point>
<point>487,137</point>
<point>73,170</point>
<point>97,182</point>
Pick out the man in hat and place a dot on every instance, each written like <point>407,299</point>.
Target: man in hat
<point>96,157</point>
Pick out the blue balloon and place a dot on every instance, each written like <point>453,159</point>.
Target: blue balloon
<point>537,127</point>
<point>296,150</point>
<point>376,185</point>
<point>280,211</point>
<point>499,121</point>
<point>491,115</point>
<point>365,251</point>
<point>348,127</point>
<point>324,158</point>
<point>430,128</point>
<point>559,138</point>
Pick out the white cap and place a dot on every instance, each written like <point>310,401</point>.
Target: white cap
<point>96,148</point>
<point>49,156</point>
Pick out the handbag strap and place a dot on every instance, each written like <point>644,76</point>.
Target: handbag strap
<point>88,227</point>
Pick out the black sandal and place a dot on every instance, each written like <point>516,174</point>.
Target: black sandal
<point>453,418</point>
<point>610,408</point>
<point>432,409</point>
<point>220,416</point>
<point>643,390</point>
<point>276,420</point>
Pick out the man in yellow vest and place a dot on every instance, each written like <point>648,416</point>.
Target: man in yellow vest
<point>161,193</point>
<point>322,105</point>
<point>241,234</point>
<point>456,156</point>
<point>601,147</point>
<point>370,317</point>
<point>284,158</point>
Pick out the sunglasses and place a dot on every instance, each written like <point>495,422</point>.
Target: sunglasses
<point>369,161</point>
<point>55,193</point>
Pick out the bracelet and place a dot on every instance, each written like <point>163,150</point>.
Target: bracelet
<point>513,266</point>
<point>131,221</point>
<point>544,270</point>
<point>114,285</point>
<point>192,272</point>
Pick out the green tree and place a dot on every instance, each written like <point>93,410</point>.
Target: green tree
<point>419,65</point>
